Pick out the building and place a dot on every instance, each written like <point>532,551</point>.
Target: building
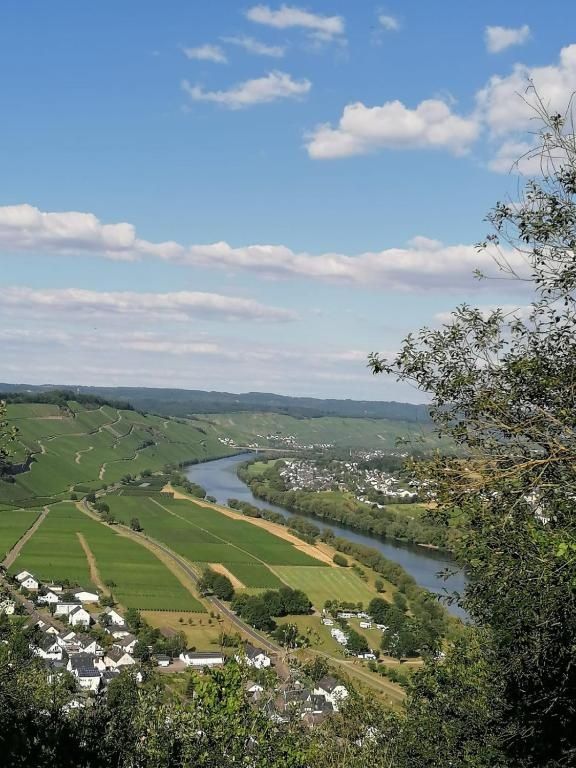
<point>253,657</point>
<point>79,617</point>
<point>48,647</point>
<point>115,658</point>
<point>332,690</point>
<point>162,660</point>
<point>27,580</point>
<point>84,596</point>
<point>65,607</point>
<point>202,658</point>
<point>127,643</point>
<point>114,618</point>
<point>49,598</point>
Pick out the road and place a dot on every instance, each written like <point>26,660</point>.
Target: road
<point>261,641</point>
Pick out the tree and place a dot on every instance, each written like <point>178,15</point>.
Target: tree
<point>501,386</point>
<point>340,560</point>
<point>357,643</point>
<point>135,524</point>
<point>379,585</point>
<point>217,584</point>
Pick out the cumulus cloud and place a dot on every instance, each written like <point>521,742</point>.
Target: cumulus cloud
<point>321,27</point>
<point>256,47</point>
<point>424,263</point>
<point>506,104</point>
<point>389,23</point>
<point>499,38</point>
<point>206,53</point>
<point>263,90</point>
<point>362,129</point>
<point>176,305</point>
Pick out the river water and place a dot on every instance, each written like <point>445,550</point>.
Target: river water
<point>220,480</point>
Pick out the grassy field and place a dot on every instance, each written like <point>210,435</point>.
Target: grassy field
<point>90,447</point>
<point>201,631</point>
<point>321,584</point>
<point>13,525</point>
<point>141,579</point>
<point>204,535</point>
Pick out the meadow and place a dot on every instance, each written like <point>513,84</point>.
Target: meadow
<point>321,584</point>
<point>139,578</point>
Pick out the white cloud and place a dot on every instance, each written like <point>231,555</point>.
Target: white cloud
<point>499,38</point>
<point>256,47</point>
<point>263,90</point>
<point>506,104</point>
<point>389,23</point>
<point>179,305</point>
<point>325,28</point>
<point>206,53</point>
<point>424,263</point>
<point>362,129</point>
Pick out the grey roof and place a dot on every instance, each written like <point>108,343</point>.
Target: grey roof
<point>321,704</point>
<point>87,672</point>
<point>79,660</point>
<point>115,653</point>
<point>47,642</point>
<point>252,651</point>
<point>328,683</point>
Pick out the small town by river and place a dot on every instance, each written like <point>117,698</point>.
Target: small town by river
<point>220,480</point>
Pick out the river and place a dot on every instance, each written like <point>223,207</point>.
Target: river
<point>220,480</point>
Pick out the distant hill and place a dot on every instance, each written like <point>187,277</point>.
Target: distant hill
<point>185,402</point>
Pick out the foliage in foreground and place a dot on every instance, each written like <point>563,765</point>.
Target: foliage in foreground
<point>503,389</point>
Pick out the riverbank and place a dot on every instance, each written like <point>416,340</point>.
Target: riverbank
<point>430,569</point>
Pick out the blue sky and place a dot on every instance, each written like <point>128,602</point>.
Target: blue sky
<point>249,196</point>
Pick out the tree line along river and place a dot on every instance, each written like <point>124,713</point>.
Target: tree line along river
<point>220,480</point>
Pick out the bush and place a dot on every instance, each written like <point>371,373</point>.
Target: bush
<point>340,560</point>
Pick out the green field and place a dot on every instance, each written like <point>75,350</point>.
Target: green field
<point>202,534</point>
<point>13,525</point>
<point>89,447</point>
<point>254,575</point>
<point>321,584</point>
<point>142,581</point>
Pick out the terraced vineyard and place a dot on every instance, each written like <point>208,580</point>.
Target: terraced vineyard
<point>80,448</point>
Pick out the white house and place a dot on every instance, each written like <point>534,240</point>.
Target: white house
<point>202,659</point>
<point>48,648</point>
<point>127,643</point>
<point>28,581</point>
<point>115,618</point>
<point>65,608</point>
<point>253,657</point>
<point>50,598</point>
<point>22,575</point>
<point>328,622</point>
<point>79,617</point>
<point>87,644</point>
<point>162,660</point>
<point>117,657</point>
<point>88,678</point>
<point>365,625</point>
<point>84,596</point>
<point>58,588</point>
<point>334,691</point>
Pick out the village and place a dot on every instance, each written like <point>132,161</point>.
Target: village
<point>347,476</point>
<point>73,633</point>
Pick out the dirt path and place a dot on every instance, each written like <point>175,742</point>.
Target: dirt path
<point>79,453</point>
<point>95,577</point>
<point>102,470</point>
<point>389,689</point>
<point>219,568</point>
<point>274,528</point>
<point>15,551</point>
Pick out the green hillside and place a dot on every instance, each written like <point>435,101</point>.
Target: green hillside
<point>248,428</point>
<point>81,447</point>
